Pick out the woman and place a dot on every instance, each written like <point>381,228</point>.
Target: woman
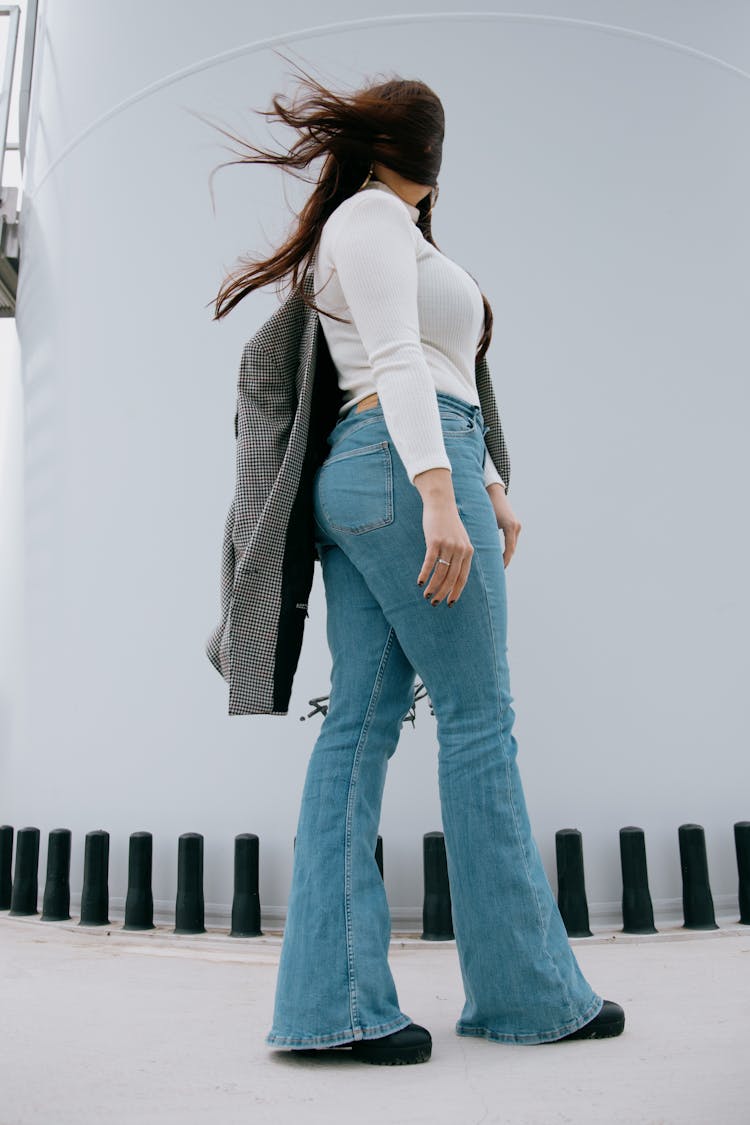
<point>407,506</point>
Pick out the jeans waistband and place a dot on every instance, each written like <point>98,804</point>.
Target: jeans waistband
<point>469,409</point>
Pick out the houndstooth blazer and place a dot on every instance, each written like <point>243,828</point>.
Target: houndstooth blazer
<point>288,400</point>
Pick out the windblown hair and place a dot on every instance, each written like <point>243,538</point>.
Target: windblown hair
<point>399,122</point>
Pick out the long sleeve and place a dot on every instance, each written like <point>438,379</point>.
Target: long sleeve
<point>375,258</point>
<point>491,475</point>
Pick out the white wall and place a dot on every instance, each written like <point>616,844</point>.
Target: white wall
<point>593,182</point>
<point>11,463</point>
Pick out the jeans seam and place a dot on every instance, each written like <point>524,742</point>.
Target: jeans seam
<point>374,697</point>
<point>358,451</point>
<point>355,428</point>
<point>522,846</point>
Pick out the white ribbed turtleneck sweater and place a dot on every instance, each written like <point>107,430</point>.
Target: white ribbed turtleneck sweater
<point>414,321</point>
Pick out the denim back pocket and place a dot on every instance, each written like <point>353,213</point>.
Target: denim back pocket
<point>456,424</point>
<point>355,488</point>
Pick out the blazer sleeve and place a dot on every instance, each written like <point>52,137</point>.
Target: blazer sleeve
<point>494,438</point>
<point>266,404</point>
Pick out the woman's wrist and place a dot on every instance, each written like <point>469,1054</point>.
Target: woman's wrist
<point>435,486</point>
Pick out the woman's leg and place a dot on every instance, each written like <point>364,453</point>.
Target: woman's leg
<point>334,983</point>
<point>522,981</point>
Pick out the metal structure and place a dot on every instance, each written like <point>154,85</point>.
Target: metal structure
<point>9,213</point>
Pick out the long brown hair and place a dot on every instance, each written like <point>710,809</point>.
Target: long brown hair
<point>399,122</point>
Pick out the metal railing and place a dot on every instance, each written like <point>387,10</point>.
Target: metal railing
<point>9,213</point>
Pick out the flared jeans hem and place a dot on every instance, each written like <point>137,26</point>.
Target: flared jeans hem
<point>335,1038</point>
<point>532,1036</point>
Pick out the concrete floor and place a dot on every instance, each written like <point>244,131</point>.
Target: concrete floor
<point>100,1025</point>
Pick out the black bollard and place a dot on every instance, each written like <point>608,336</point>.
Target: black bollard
<point>697,903</point>
<point>742,847</point>
<point>637,908</point>
<point>571,886</point>
<point>56,901</point>
<point>189,908</point>
<point>379,855</point>
<point>437,916</point>
<point>6,856</point>
<point>25,880</point>
<point>95,892</point>
<point>139,901</point>
<point>246,900</point>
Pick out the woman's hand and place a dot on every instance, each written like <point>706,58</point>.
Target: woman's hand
<point>506,520</point>
<point>445,536</point>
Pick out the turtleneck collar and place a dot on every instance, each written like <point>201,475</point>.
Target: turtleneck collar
<point>413,211</point>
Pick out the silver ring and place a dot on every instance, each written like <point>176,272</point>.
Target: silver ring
<point>447,563</point>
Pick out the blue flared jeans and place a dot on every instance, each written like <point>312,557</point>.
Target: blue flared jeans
<point>521,979</point>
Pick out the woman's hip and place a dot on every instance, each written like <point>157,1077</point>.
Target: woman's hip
<point>365,503</point>
<point>362,484</point>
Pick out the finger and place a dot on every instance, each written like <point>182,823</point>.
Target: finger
<point>461,580</point>
<point>511,542</point>
<point>457,569</point>
<point>429,562</point>
<point>441,575</point>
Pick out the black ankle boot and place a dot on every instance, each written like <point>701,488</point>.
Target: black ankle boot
<point>411,1044</point>
<point>606,1023</point>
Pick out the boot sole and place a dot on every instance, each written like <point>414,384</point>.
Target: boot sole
<point>363,1050</point>
<point>604,1031</point>
<point>391,1056</point>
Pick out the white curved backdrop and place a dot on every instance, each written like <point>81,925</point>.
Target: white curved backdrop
<point>594,184</point>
